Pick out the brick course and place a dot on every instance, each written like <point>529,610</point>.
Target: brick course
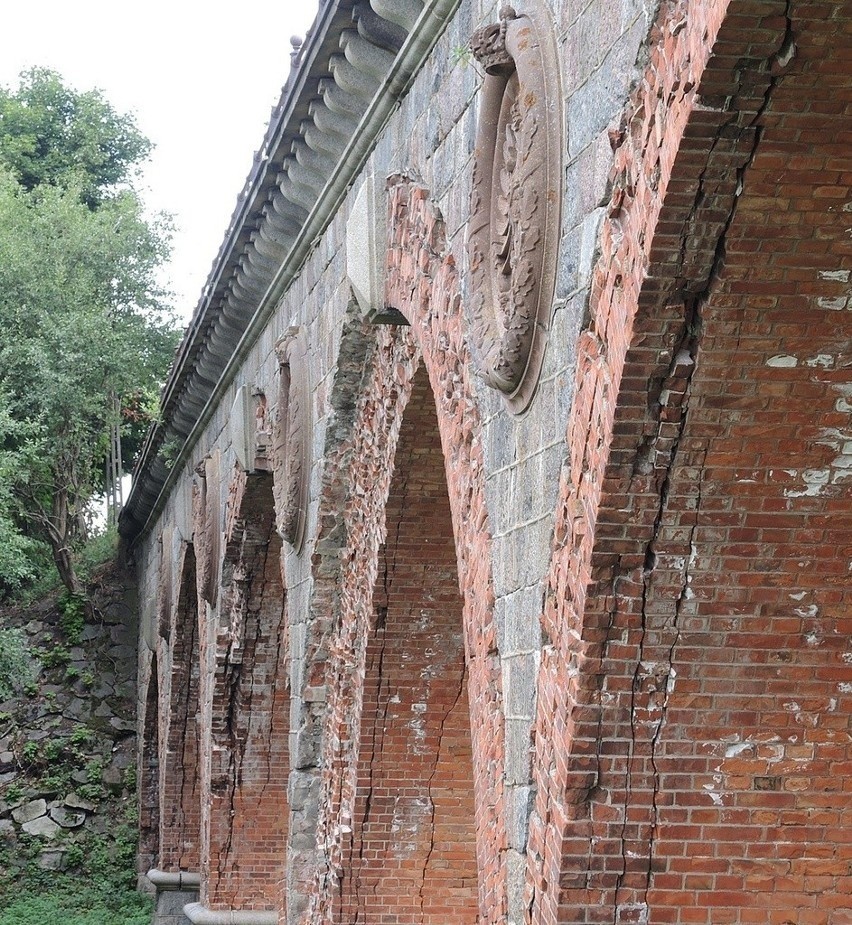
<point>676,472</point>
<point>245,697</point>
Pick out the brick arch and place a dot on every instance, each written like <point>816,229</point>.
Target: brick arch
<point>336,522</point>
<point>149,775</point>
<point>411,855</point>
<point>345,578</point>
<point>372,388</point>
<point>658,676</point>
<point>182,784</point>
<point>423,284</point>
<point>245,694</point>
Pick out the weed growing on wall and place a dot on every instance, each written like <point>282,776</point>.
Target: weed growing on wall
<point>69,734</point>
<point>18,666</point>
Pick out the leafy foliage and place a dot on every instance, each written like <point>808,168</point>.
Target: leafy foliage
<point>18,666</point>
<point>83,906</point>
<point>101,890</point>
<point>49,134</point>
<point>73,610</point>
<point>82,318</point>
<point>20,553</point>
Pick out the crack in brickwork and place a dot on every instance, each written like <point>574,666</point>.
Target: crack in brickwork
<point>685,247</point>
<point>406,775</point>
<point>249,709</point>
<point>429,785</point>
<point>350,384</point>
<point>350,596</point>
<point>695,679</point>
<point>180,824</point>
<point>677,383</point>
<point>684,365</point>
<point>422,282</point>
<point>149,779</point>
<point>423,285</point>
<point>378,731</point>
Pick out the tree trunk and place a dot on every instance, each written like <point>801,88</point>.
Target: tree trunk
<point>60,543</point>
<point>65,566</point>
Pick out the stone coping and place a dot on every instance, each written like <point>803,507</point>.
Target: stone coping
<point>357,62</point>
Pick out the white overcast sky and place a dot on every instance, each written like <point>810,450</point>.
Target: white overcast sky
<point>201,79</point>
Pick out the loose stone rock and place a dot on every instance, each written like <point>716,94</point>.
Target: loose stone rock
<point>67,819</point>
<point>29,811</point>
<point>75,801</point>
<point>52,859</point>
<point>44,826</point>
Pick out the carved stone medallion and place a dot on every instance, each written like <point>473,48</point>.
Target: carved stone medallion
<point>515,203</point>
<point>292,438</point>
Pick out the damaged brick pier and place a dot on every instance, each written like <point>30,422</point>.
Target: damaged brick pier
<point>502,572</point>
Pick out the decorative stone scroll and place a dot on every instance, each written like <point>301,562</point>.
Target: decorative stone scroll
<point>207,519</point>
<point>291,438</point>
<point>249,429</point>
<point>515,204</point>
<point>366,247</point>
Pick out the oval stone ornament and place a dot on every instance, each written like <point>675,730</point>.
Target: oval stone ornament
<point>292,437</point>
<point>515,203</point>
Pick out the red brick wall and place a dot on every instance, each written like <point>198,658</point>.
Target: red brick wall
<point>697,611</point>
<point>149,778</point>
<point>692,743</point>
<point>423,285</point>
<point>753,755</point>
<point>413,857</point>
<point>351,511</point>
<point>247,788</point>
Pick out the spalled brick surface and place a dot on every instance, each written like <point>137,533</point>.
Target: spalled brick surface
<point>423,285</point>
<point>683,549</point>
<point>412,855</point>
<point>755,729</point>
<point>344,586</point>
<point>245,692</point>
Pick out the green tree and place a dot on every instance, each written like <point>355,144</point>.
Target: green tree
<point>82,319</point>
<point>50,134</point>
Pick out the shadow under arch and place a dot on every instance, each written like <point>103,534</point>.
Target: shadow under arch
<point>149,776</point>
<point>181,809</point>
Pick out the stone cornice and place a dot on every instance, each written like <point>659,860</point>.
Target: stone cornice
<point>358,60</point>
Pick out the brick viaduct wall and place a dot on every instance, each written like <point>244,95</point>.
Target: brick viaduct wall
<point>590,663</point>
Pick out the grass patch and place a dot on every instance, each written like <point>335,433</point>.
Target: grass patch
<point>76,904</point>
<point>99,887</point>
